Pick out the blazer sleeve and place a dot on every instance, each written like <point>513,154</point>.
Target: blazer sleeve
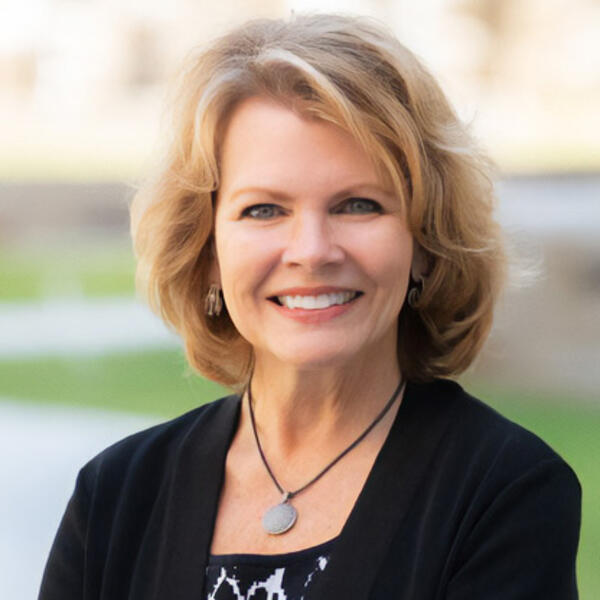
<point>63,577</point>
<point>524,544</point>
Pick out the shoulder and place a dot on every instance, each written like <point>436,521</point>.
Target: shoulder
<point>475,422</point>
<point>481,443</point>
<point>150,454</point>
<point>501,492</point>
<point>513,503</point>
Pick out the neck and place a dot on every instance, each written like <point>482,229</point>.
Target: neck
<point>299,409</point>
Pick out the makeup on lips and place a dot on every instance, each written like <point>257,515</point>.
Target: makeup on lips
<point>314,305</point>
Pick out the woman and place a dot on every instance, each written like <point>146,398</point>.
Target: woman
<point>321,235</point>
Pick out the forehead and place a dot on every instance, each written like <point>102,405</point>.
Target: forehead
<point>268,143</point>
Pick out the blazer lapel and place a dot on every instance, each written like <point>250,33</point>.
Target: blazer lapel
<point>192,495</point>
<point>192,505</point>
<point>383,503</point>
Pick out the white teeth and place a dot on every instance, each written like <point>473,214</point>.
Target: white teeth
<point>316,302</point>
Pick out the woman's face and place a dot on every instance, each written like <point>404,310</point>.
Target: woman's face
<point>313,254</point>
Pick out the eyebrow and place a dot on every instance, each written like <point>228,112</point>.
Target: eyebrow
<point>355,189</point>
<point>260,190</point>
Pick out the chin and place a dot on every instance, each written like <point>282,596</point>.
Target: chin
<point>316,358</point>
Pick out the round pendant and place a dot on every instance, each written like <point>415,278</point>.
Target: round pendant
<point>279,518</point>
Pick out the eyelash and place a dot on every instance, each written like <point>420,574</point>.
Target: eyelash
<point>247,212</point>
<point>375,207</point>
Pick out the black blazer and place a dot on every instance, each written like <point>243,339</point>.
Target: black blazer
<point>460,504</point>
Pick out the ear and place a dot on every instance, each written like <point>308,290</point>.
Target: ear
<point>420,265</point>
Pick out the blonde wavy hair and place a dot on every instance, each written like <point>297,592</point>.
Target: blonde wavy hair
<point>352,72</point>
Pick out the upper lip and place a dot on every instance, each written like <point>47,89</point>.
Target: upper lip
<point>312,291</point>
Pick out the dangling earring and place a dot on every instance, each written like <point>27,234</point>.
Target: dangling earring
<point>213,303</point>
<point>414,294</point>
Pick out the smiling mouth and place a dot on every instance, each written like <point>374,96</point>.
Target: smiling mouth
<point>317,302</point>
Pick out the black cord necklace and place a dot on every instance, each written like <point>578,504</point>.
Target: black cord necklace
<point>281,517</point>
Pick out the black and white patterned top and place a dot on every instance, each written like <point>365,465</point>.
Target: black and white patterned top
<point>265,576</point>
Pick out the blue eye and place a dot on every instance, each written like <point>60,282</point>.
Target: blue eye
<point>261,211</point>
<point>361,206</point>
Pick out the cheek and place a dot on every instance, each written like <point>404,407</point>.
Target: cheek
<point>391,265</point>
<point>389,257</point>
<point>245,260</point>
<point>233,251</point>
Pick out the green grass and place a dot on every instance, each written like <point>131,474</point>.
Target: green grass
<point>34,274</point>
<point>159,382</point>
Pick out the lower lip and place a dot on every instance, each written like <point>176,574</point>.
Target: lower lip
<point>318,315</point>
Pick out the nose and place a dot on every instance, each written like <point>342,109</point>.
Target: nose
<point>312,241</point>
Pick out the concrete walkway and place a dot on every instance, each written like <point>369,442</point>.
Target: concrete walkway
<point>41,450</point>
<point>78,326</point>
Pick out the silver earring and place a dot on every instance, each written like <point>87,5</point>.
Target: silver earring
<point>414,294</point>
<point>213,303</point>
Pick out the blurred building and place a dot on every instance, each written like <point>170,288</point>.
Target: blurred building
<point>81,83</point>
<point>82,86</point>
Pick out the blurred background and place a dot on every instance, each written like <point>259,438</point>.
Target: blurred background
<point>83,362</point>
